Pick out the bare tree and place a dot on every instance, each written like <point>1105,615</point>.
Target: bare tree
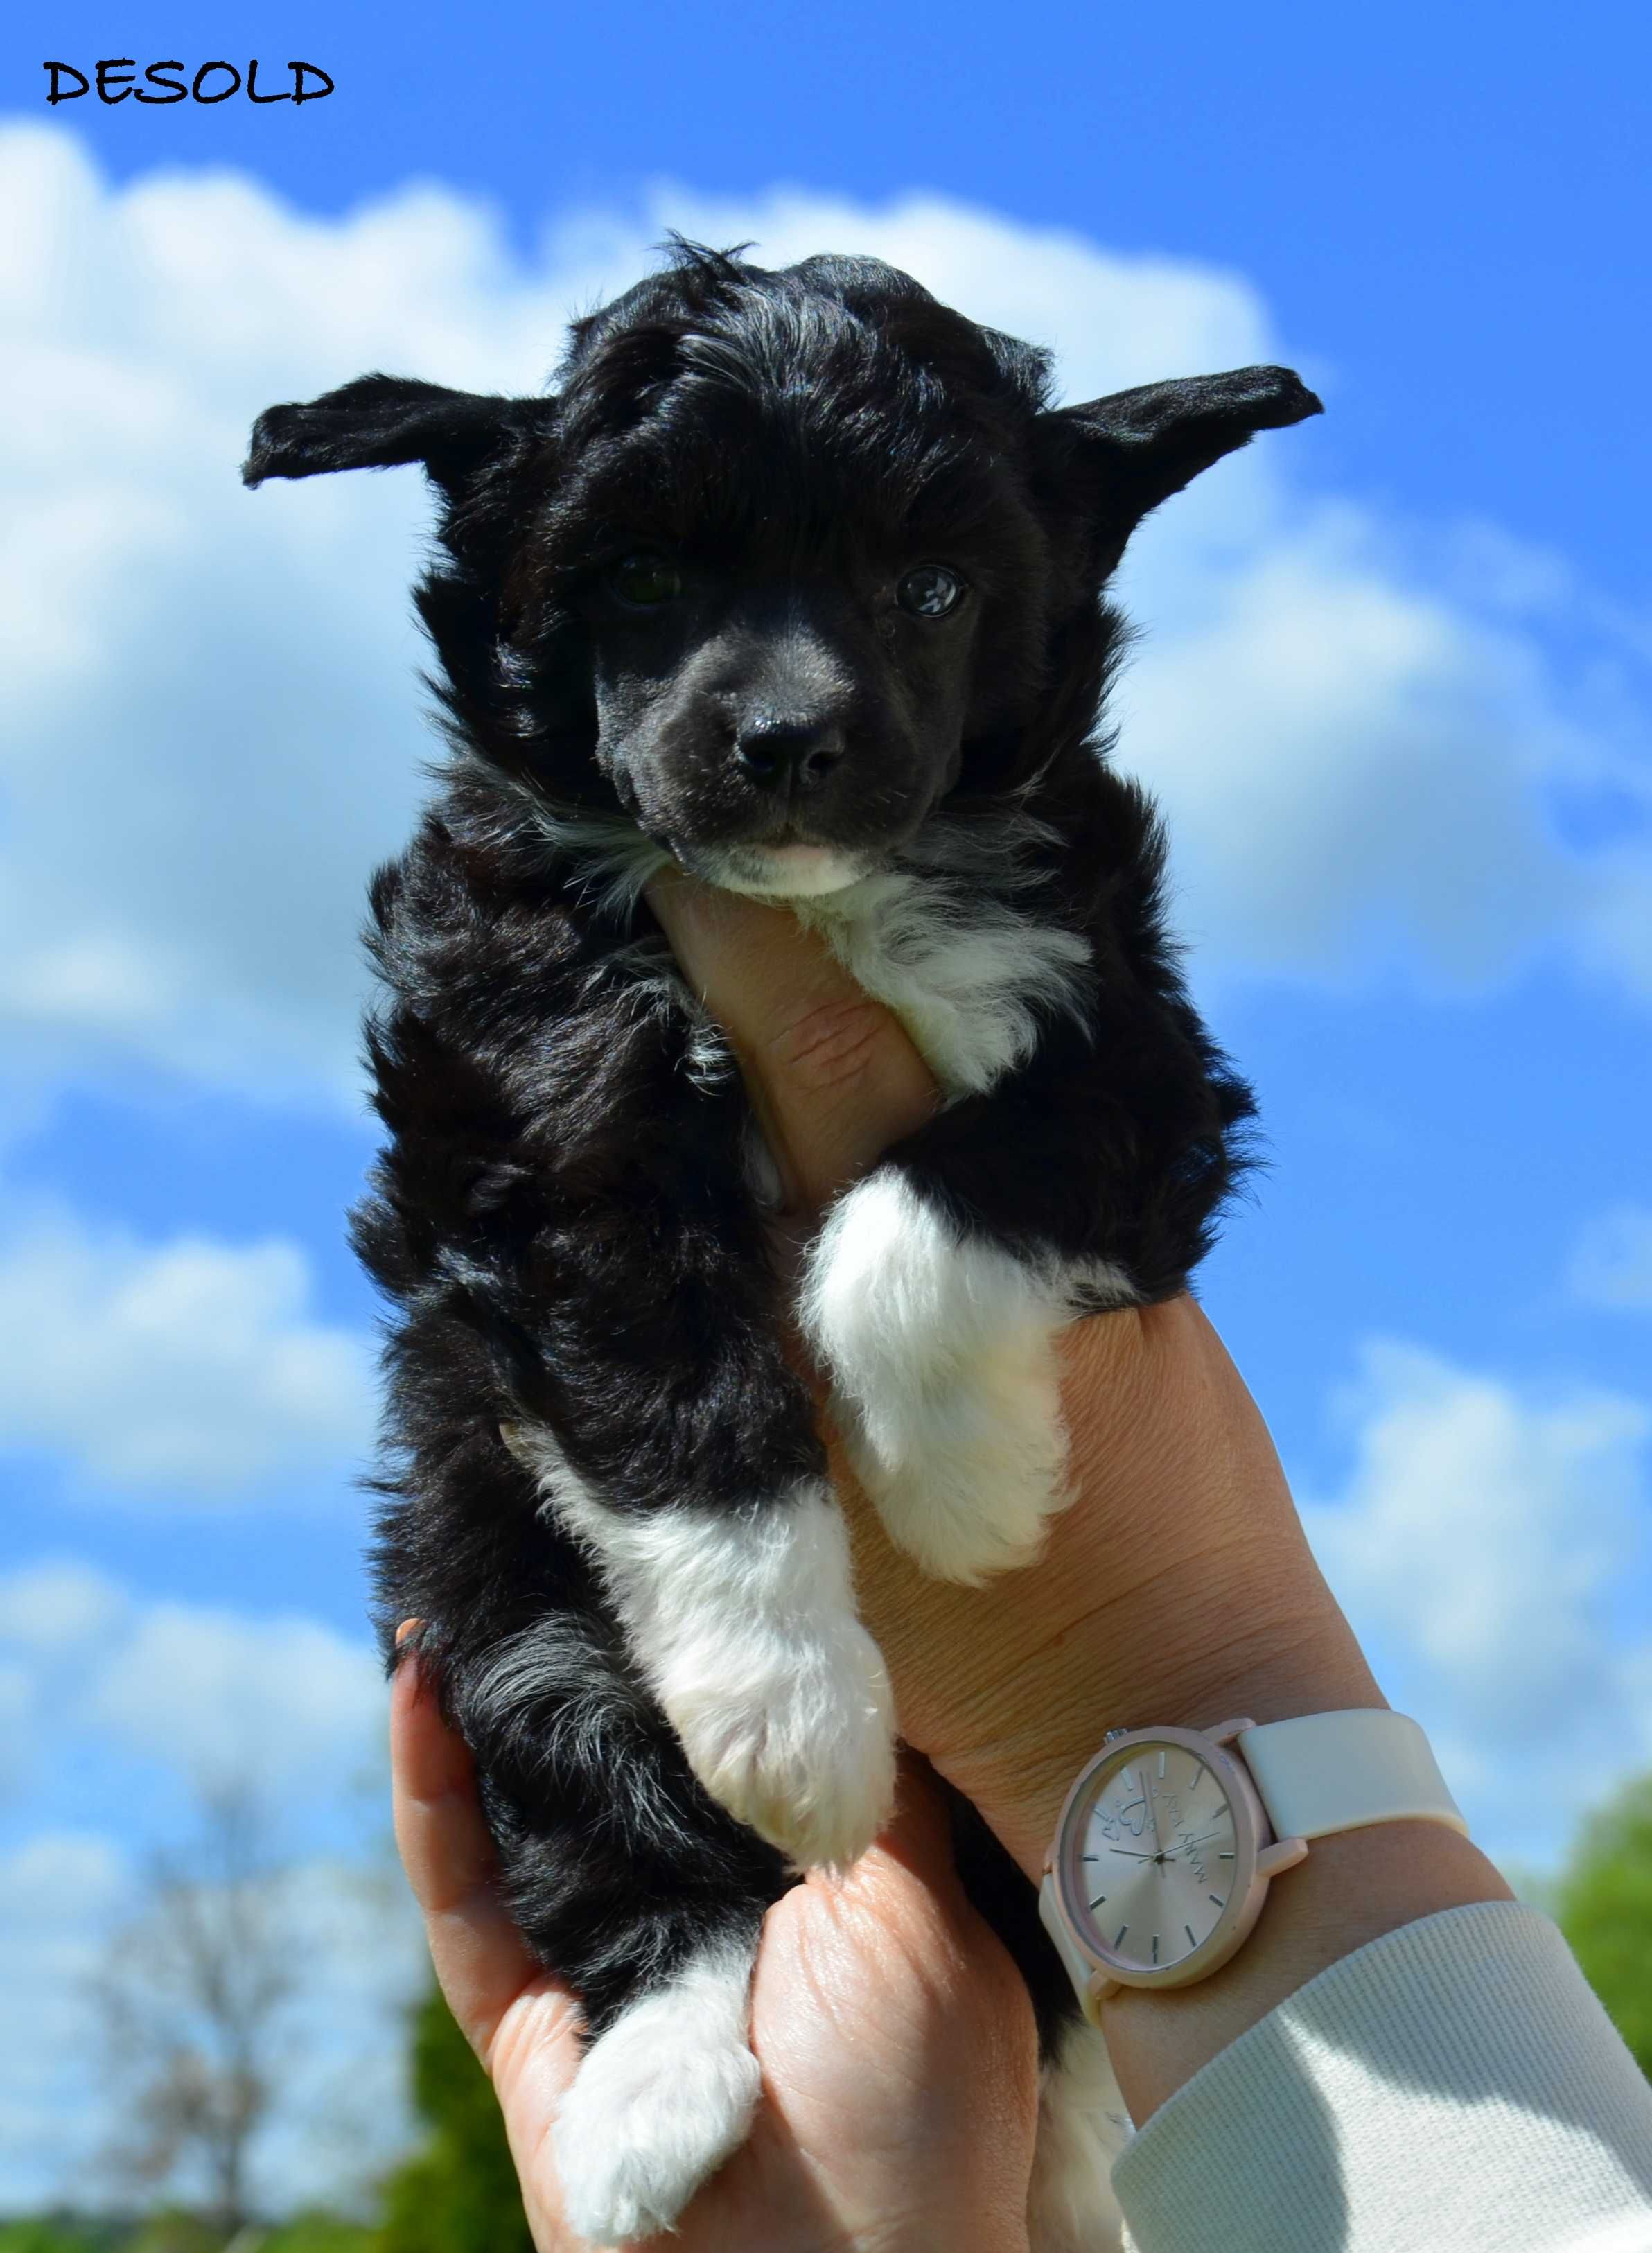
<point>195,1999</point>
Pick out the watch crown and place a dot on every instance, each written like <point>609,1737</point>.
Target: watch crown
<point>1111,1734</point>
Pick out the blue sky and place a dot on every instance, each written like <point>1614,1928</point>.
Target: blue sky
<point>1393,688</point>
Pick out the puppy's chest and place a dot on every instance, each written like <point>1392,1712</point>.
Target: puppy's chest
<point>971,979</point>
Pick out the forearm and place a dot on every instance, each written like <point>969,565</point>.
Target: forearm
<point>1203,1608</point>
<point>1288,1649</point>
<point>1352,1888</point>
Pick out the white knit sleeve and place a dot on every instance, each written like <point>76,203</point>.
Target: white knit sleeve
<point>1454,2087</point>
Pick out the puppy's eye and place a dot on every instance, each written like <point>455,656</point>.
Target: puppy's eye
<point>645,581</point>
<point>931,591</point>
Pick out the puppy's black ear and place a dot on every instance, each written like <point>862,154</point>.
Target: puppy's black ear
<point>381,420</point>
<point>1116,459</point>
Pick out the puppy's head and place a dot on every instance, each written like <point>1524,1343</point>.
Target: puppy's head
<point>789,558</point>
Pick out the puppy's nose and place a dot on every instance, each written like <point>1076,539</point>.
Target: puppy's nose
<point>788,755</point>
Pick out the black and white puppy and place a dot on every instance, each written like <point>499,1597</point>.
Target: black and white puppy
<point>797,581</point>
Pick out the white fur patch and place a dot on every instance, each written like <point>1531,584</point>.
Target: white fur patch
<point>1083,2126</point>
<point>743,1621</point>
<point>970,974</point>
<point>941,1353</point>
<point>784,872</point>
<point>659,2101</point>
<point>608,853</point>
<point>945,940</point>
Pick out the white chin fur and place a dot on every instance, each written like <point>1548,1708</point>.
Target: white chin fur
<point>792,872</point>
<point>659,2101</point>
<point>744,1622</point>
<point>941,1350</point>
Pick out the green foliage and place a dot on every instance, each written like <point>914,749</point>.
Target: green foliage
<point>50,2234</point>
<point>320,2233</point>
<point>1603,1905</point>
<point>173,2231</point>
<point>459,2195</point>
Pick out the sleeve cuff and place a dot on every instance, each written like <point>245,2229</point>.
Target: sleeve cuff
<point>1454,2084</point>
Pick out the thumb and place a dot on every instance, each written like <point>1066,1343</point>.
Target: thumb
<point>832,1075</point>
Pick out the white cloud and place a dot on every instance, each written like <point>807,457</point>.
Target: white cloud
<point>48,1612</point>
<point>1351,766</point>
<point>60,1605</point>
<point>345,2114</point>
<point>1612,1265</point>
<point>341,2113</point>
<point>1491,1549</point>
<point>273,1702</point>
<point>17,1717</point>
<point>191,1369</point>
<point>214,732</point>
<point>70,1874</point>
<point>59,1892</point>
<point>145,1706</point>
<point>1617,933</point>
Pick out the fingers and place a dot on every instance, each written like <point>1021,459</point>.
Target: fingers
<point>443,1842</point>
<point>481,1961</point>
<point>832,1076</point>
<point>896,2030</point>
<point>906,1888</point>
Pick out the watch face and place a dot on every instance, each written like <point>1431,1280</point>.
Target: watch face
<point>1158,1852</point>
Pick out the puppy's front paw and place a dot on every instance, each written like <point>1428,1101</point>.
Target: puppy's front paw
<point>744,1621</point>
<point>659,2101</point>
<point>966,1478</point>
<point>940,1346</point>
<point>792,1729</point>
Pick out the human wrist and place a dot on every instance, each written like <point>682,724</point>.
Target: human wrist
<point>968,2231</point>
<point>1352,1888</point>
<point>969,2195</point>
<point>1240,1622</point>
<point>1177,1587</point>
<point>1105,1676</point>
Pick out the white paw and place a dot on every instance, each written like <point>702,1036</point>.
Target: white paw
<point>659,2103</point>
<point>793,1730</point>
<point>941,1350</point>
<point>744,1621</point>
<point>968,1484</point>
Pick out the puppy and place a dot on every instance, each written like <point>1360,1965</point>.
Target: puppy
<point>796,582</point>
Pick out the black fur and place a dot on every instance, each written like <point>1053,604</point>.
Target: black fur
<point>560,1218</point>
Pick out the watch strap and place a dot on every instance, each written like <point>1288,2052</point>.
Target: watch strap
<point>1080,1968</point>
<point>1326,1772</point>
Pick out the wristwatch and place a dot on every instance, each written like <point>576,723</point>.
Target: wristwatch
<point>1170,1838</point>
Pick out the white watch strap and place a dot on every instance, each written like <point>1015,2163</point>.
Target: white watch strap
<point>1325,1772</point>
<point>1078,1967</point>
<point>1080,1970</point>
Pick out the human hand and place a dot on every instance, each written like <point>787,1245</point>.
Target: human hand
<point>895,2037</point>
